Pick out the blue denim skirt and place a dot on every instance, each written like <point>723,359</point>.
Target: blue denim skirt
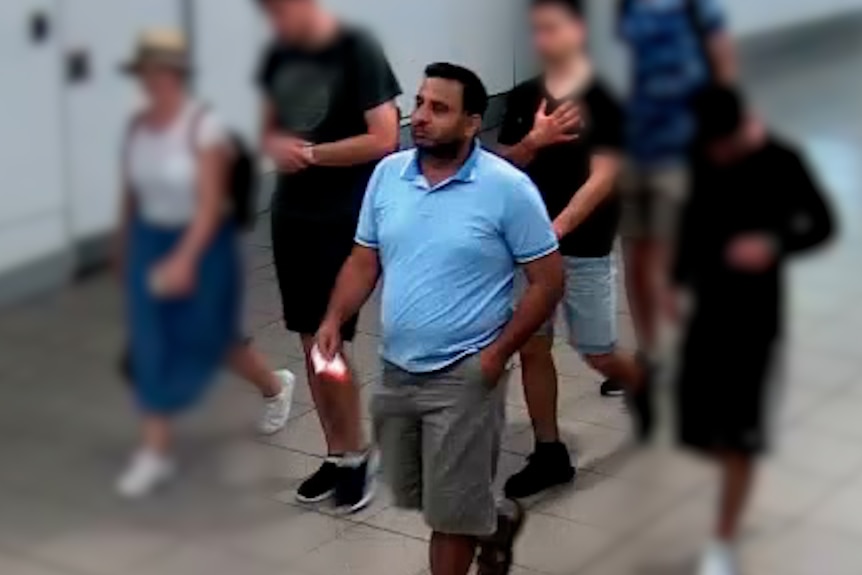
<point>176,346</point>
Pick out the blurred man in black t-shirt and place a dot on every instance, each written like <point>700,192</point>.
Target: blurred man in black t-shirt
<point>566,131</point>
<point>752,203</point>
<point>329,115</point>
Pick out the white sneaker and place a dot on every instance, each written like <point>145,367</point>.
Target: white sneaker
<point>276,410</point>
<point>718,559</point>
<point>146,472</point>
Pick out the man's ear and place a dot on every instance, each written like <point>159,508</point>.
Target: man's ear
<point>475,124</point>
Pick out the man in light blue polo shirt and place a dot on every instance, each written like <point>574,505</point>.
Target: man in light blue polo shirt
<point>446,225</point>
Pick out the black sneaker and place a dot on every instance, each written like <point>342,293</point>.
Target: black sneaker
<point>548,466</point>
<point>612,388</point>
<point>321,485</point>
<point>496,551</point>
<point>354,485</point>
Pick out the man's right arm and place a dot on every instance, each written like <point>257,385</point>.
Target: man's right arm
<point>520,147</point>
<point>359,274</point>
<point>513,144</point>
<point>267,122</point>
<point>520,154</point>
<point>356,282</point>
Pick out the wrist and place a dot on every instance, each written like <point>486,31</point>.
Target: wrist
<point>496,353</point>
<point>564,221</point>
<point>187,255</point>
<point>311,154</point>
<point>332,319</point>
<point>533,141</point>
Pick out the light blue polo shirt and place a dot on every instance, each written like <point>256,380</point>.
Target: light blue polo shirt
<point>449,254</point>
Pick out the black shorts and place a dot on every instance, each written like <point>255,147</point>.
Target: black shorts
<point>726,395</point>
<point>308,257</point>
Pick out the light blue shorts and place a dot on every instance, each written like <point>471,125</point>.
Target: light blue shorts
<point>589,305</point>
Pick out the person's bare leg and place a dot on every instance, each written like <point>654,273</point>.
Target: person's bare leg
<point>451,554</point>
<point>640,267</point>
<point>157,434</point>
<point>539,375</point>
<point>249,364</point>
<point>619,366</point>
<point>550,464</point>
<point>738,472</point>
<point>337,407</point>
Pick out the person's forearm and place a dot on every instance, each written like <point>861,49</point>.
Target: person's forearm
<point>202,229</point>
<point>595,191</point>
<point>535,307</point>
<point>521,154</point>
<point>355,151</point>
<point>723,58</point>
<point>356,281</point>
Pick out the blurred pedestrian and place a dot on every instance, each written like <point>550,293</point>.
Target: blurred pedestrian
<point>676,47</point>
<point>566,131</point>
<point>753,203</point>
<point>179,258</point>
<point>445,226</point>
<point>329,115</point>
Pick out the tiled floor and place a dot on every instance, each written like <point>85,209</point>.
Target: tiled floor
<point>66,428</point>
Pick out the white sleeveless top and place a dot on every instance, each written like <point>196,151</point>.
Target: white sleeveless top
<point>162,165</point>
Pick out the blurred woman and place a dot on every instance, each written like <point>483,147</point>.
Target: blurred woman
<point>180,261</point>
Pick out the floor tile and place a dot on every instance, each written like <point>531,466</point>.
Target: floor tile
<point>805,550</point>
<point>202,559</point>
<point>557,546</point>
<point>607,503</point>
<point>19,566</point>
<point>105,548</point>
<point>842,511</point>
<point>363,550</point>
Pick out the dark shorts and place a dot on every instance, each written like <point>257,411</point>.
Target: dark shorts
<point>726,397</point>
<point>308,257</point>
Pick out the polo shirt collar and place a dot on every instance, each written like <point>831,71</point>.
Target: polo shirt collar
<point>467,173</point>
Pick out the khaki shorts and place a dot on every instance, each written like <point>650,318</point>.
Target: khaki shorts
<point>439,436</point>
<point>652,200</point>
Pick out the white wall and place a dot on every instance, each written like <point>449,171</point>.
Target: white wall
<point>97,110</point>
<point>757,16</point>
<point>229,36</point>
<point>32,201</point>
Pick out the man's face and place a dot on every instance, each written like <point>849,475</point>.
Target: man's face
<point>289,18</point>
<point>734,147</point>
<point>439,123</point>
<point>556,32</point>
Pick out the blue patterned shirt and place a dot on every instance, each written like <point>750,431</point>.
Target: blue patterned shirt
<point>669,60</point>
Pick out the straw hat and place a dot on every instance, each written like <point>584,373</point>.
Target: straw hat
<point>162,47</point>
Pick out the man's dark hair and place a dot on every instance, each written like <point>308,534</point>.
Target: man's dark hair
<point>719,111</point>
<point>574,7</point>
<point>475,94</point>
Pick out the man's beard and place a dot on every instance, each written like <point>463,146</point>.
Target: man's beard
<point>442,150</point>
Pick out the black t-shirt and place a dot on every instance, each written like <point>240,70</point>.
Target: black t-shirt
<point>770,191</point>
<point>559,171</point>
<point>322,96</point>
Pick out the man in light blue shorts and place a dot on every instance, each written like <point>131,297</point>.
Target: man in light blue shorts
<point>566,131</point>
